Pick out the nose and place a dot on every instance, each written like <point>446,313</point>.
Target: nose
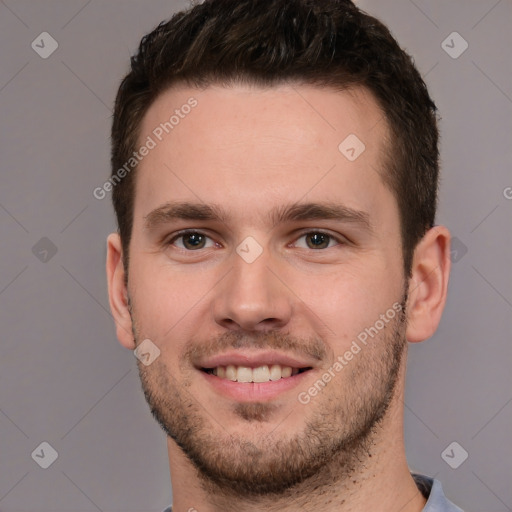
<point>252,297</point>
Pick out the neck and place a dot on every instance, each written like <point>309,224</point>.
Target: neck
<point>379,481</point>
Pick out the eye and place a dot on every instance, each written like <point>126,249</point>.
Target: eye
<point>318,240</point>
<point>191,241</point>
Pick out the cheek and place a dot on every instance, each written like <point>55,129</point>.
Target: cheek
<point>344,302</point>
<point>166,301</point>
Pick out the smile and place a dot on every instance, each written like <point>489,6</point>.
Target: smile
<point>264,373</point>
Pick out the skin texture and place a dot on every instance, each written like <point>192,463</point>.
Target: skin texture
<point>251,151</point>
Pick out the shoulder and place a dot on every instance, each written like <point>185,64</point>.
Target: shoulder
<point>433,492</point>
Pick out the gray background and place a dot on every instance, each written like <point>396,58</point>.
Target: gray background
<point>64,378</point>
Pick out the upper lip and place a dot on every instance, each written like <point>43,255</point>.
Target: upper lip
<point>253,359</point>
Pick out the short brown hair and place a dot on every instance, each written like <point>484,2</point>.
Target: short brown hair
<point>329,43</point>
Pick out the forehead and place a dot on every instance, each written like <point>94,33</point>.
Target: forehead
<point>247,145</point>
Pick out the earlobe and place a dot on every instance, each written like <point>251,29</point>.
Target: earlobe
<point>428,284</point>
<point>117,292</point>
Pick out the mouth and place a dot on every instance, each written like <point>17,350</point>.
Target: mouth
<point>249,376</point>
<point>259,374</point>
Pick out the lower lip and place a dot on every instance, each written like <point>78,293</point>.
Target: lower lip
<point>254,391</point>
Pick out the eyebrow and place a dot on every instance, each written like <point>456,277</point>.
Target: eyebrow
<point>185,210</point>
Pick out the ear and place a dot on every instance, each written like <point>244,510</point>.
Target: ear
<point>117,291</point>
<point>428,284</point>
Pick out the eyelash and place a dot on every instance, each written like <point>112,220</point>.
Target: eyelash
<point>182,234</point>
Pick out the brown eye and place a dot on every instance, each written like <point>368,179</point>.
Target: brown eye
<point>194,241</point>
<point>317,240</point>
<point>191,241</point>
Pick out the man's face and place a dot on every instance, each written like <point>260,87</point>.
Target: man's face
<point>267,285</point>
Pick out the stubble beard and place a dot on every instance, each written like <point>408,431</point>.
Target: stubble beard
<point>334,444</point>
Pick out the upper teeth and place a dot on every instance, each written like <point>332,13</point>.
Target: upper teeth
<point>261,374</point>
